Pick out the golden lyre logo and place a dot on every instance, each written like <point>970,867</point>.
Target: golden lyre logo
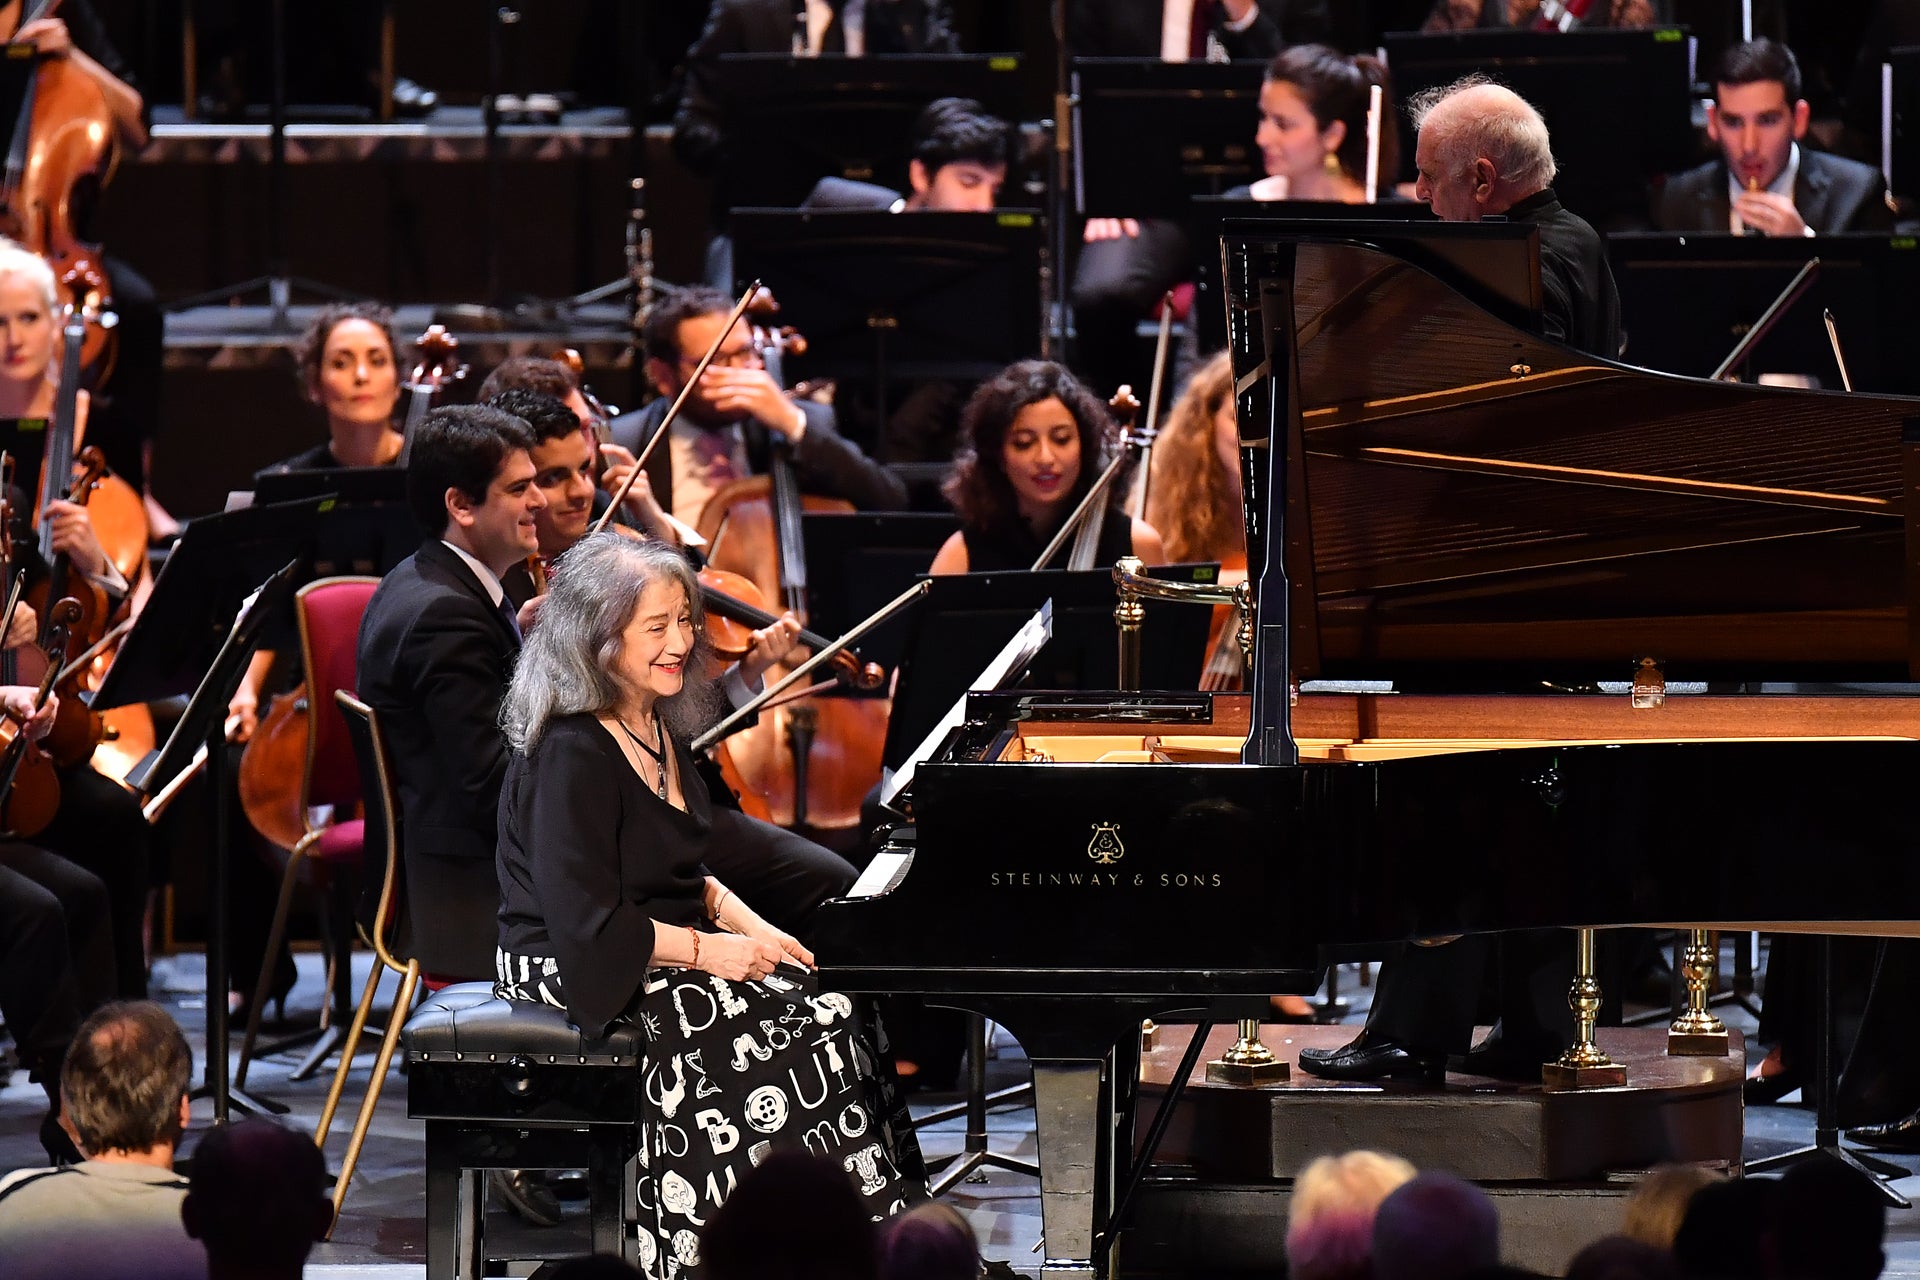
<point>1105,847</point>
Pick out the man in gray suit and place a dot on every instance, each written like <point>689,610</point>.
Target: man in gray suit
<point>1765,182</point>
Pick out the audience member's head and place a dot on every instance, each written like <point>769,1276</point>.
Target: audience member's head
<point>1330,1216</point>
<point>1313,115</point>
<point>124,1085</point>
<point>932,1242</point>
<point>1621,1258</point>
<point>959,158</point>
<point>257,1199</point>
<point>1829,1224</point>
<point>1721,1236</point>
<point>1659,1204</point>
<point>1757,112</point>
<point>1434,1227</point>
<point>793,1218</point>
<point>1481,149</point>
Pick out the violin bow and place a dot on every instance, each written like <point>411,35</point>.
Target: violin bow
<point>801,672</point>
<point>673,410</point>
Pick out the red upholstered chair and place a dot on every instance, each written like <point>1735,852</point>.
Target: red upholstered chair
<point>329,857</point>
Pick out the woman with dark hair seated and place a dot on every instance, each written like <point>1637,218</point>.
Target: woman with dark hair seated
<point>347,365</point>
<point>608,911</point>
<point>1312,133</point>
<point>1035,441</point>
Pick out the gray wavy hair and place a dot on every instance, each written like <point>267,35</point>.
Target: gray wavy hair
<point>570,663</point>
<point>1485,118</point>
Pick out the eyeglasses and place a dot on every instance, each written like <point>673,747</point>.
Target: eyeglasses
<point>744,358</point>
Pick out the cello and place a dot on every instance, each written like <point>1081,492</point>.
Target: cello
<point>811,761</point>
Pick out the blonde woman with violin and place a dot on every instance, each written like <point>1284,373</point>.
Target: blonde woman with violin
<point>98,824</point>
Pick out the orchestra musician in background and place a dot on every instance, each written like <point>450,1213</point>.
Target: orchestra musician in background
<point>1764,182</point>
<point>1467,15</point>
<point>129,409</point>
<point>99,825</point>
<point>1312,133</point>
<point>725,429</point>
<point>1035,441</point>
<point>1483,151</point>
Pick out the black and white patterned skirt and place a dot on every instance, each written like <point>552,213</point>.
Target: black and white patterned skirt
<point>735,1071</point>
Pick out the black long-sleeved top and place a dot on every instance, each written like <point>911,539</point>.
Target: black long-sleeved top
<point>588,858</point>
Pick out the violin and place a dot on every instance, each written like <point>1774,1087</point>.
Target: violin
<point>60,155</point>
<point>29,786</point>
<point>812,760</point>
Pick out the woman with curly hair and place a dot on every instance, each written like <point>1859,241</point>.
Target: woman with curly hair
<point>1035,440</point>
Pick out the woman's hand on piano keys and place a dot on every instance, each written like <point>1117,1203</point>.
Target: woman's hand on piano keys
<point>739,918</point>
<point>736,957</point>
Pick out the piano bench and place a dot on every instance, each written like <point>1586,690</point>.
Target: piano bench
<point>509,1084</point>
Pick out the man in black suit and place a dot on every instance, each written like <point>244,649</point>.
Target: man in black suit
<point>1765,182</point>
<point>1484,152</point>
<point>725,430</point>
<point>437,645</point>
<point>806,27</point>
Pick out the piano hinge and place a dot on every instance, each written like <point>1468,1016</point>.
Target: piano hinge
<point>1649,686</point>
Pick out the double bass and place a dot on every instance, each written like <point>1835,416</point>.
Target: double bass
<point>60,154</point>
<point>810,761</point>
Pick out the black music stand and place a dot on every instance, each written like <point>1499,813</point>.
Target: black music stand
<point>857,561</point>
<point>1148,135</point>
<point>183,643</point>
<point>1619,104</point>
<point>793,121</point>
<point>1686,299</point>
<point>364,524</point>
<point>966,619</point>
<point>910,296</point>
<point>1823,1084</point>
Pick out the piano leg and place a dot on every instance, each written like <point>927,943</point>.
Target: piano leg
<point>1696,1032</point>
<point>1072,1107</point>
<point>1583,1065</point>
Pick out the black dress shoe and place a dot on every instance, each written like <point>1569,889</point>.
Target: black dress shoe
<point>1902,1135</point>
<point>1371,1057</point>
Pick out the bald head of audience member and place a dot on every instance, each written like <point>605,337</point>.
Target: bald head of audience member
<point>257,1199</point>
<point>1434,1227</point>
<point>1482,149</point>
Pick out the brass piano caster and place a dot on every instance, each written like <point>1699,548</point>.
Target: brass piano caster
<point>1696,1033</point>
<point>1248,1062</point>
<point>1583,1065</point>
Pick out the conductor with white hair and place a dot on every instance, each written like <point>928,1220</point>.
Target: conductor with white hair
<point>1483,153</point>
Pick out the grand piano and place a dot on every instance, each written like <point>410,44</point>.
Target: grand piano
<point>1508,529</point>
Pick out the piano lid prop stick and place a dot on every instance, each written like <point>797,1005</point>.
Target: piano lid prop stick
<point>673,410</point>
<point>1770,317</point>
<point>806,668</point>
<point>1839,356</point>
<point>1376,106</point>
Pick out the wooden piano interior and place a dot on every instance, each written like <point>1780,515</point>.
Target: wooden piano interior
<point>1386,726</point>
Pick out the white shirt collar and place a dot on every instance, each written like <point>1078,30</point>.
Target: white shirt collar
<point>488,578</point>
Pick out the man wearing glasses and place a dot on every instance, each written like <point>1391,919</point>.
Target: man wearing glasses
<point>725,431</point>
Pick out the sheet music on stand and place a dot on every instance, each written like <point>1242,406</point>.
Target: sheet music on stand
<point>1025,644</point>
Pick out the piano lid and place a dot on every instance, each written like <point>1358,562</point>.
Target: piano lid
<point>1469,501</point>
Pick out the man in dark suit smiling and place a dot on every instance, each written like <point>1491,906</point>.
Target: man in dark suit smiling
<point>437,646</point>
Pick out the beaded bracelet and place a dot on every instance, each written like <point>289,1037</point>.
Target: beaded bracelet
<point>695,933</point>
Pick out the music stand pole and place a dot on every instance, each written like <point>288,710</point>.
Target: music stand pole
<point>1053,330</point>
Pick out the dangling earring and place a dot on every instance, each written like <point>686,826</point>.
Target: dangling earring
<point>1331,163</point>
